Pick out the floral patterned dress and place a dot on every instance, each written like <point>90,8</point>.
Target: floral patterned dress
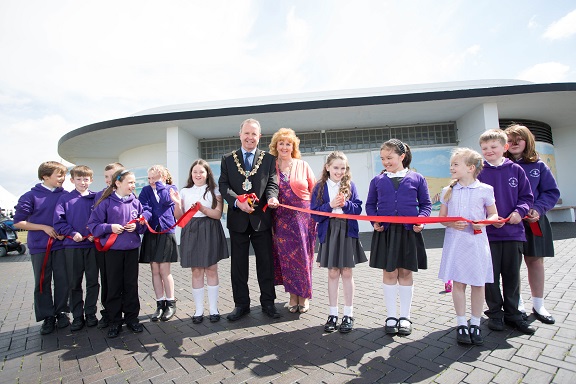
<point>293,242</point>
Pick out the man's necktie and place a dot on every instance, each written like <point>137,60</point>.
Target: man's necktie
<point>247,162</point>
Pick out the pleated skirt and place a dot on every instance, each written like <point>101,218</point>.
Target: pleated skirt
<point>396,247</point>
<point>539,246</point>
<point>202,243</point>
<point>158,248</point>
<point>339,250</point>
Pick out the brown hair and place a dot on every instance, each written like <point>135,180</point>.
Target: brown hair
<point>286,134</point>
<point>81,171</point>
<point>47,168</point>
<point>345,182</point>
<point>113,166</point>
<point>209,180</point>
<point>119,175</point>
<point>470,157</point>
<point>516,131</point>
<point>493,134</point>
<point>399,148</point>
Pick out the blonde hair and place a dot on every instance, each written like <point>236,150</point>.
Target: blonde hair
<point>345,182</point>
<point>515,131</point>
<point>494,134</point>
<point>286,134</point>
<point>471,158</point>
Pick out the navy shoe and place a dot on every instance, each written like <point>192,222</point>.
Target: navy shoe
<point>475,335</point>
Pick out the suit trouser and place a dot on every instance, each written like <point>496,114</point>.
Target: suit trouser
<point>101,262</point>
<point>262,244</point>
<point>44,304</point>
<point>80,262</point>
<point>506,260</point>
<point>122,271</point>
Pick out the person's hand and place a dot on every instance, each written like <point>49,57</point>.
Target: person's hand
<point>273,202</point>
<point>515,218</point>
<point>533,216</point>
<point>91,238</point>
<point>130,227</point>
<point>499,225</point>
<point>338,201</point>
<point>478,227</point>
<point>244,206</point>
<point>117,228</point>
<point>77,237</point>
<point>418,228</point>
<point>50,232</point>
<point>175,196</point>
<point>459,225</point>
<point>378,227</point>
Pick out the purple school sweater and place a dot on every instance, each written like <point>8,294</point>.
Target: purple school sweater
<point>542,184</point>
<point>37,206</point>
<point>71,216</point>
<point>160,214</point>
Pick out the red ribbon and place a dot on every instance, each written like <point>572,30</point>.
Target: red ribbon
<point>46,256</point>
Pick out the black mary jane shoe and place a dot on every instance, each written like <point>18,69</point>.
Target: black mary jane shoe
<point>331,324</point>
<point>463,335</point>
<point>215,318</point>
<point>404,330</point>
<point>346,325</point>
<point>197,319</point>
<point>544,319</point>
<point>476,335</point>
<point>391,329</point>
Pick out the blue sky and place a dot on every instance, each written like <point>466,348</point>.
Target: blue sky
<point>66,64</point>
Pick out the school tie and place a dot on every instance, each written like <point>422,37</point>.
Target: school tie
<point>247,162</point>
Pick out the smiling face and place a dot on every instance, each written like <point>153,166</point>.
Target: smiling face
<point>55,180</point>
<point>336,169</point>
<point>284,148</point>
<point>81,183</point>
<point>391,161</point>
<point>493,151</point>
<point>153,177</point>
<point>126,186</point>
<point>516,146</point>
<point>249,136</point>
<point>459,169</point>
<point>199,175</point>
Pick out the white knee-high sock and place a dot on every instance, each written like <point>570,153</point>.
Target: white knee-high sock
<point>390,293</point>
<point>538,306</point>
<point>405,292</point>
<point>198,294</point>
<point>213,299</point>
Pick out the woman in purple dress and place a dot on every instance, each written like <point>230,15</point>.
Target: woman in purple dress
<point>294,231</point>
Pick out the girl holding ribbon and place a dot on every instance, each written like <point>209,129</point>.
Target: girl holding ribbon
<point>115,221</point>
<point>398,249</point>
<point>202,241</point>
<point>340,249</point>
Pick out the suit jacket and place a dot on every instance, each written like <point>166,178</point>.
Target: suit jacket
<point>264,185</point>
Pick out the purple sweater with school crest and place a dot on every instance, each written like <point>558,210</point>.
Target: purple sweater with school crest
<point>543,185</point>
<point>71,216</point>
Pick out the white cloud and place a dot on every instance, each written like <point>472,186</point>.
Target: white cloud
<point>563,28</point>
<point>550,72</point>
<point>532,23</point>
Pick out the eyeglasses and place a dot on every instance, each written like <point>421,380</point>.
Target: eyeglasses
<point>516,142</point>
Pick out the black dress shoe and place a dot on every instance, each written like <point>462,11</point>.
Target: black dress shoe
<point>475,335</point>
<point>544,319</point>
<point>391,329</point>
<point>463,335</point>
<point>331,324</point>
<point>104,322</point>
<point>48,325</point>
<point>270,311</point>
<point>404,330</point>
<point>215,318</point>
<point>346,325</point>
<point>91,320</point>
<point>197,319</point>
<point>238,313</point>
<point>114,330</point>
<point>135,327</point>
<point>524,315</point>
<point>62,320</point>
<point>496,324</point>
<point>521,325</point>
<point>77,324</point>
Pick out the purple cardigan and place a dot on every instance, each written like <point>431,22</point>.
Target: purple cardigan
<point>542,184</point>
<point>353,206</point>
<point>410,199</point>
<point>512,192</point>
<point>71,216</point>
<point>113,210</point>
<point>160,214</point>
<point>37,206</point>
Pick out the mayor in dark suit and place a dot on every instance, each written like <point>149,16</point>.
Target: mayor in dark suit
<point>250,170</point>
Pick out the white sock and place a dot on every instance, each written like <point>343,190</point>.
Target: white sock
<point>349,311</point>
<point>538,305</point>
<point>475,321</point>
<point>390,292</point>
<point>521,305</point>
<point>161,299</point>
<point>405,292</point>
<point>213,299</point>
<point>170,298</point>
<point>461,320</point>
<point>198,294</point>
<point>334,311</point>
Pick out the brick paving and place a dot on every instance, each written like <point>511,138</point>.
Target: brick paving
<point>294,349</point>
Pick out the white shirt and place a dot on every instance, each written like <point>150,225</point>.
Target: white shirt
<point>333,190</point>
<point>401,173</point>
<point>191,195</point>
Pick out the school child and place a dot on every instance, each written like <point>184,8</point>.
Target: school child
<point>340,249</point>
<point>159,250</point>
<point>35,214</point>
<point>117,213</point>
<point>522,150</point>
<point>466,252</point>
<point>70,218</point>
<point>104,321</point>
<point>514,199</point>
<point>202,241</point>
<point>398,249</point>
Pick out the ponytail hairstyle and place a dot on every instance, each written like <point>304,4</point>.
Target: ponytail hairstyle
<point>470,157</point>
<point>345,182</point>
<point>210,182</point>
<point>517,131</point>
<point>399,148</point>
<point>118,176</point>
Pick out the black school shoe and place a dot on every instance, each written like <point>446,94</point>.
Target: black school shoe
<point>522,326</point>
<point>496,324</point>
<point>63,320</point>
<point>347,324</point>
<point>404,330</point>
<point>544,319</point>
<point>331,324</point>
<point>463,335</point>
<point>391,329</point>
<point>48,325</point>
<point>77,324</point>
<point>475,335</point>
<point>114,330</point>
<point>91,320</point>
<point>135,327</point>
